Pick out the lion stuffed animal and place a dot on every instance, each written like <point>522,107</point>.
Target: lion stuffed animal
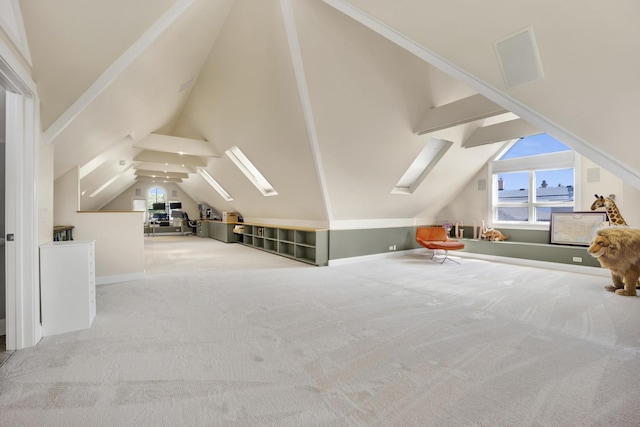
<point>618,249</point>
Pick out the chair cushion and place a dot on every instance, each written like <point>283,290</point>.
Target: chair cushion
<point>447,245</point>
<point>429,234</point>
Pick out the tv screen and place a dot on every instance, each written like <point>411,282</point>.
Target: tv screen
<point>159,206</point>
<point>175,205</point>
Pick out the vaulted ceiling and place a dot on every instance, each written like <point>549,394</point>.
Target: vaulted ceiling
<point>331,100</point>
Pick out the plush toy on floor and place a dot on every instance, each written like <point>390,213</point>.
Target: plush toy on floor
<point>618,249</point>
<point>494,235</point>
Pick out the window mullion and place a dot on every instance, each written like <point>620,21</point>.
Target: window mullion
<point>532,196</point>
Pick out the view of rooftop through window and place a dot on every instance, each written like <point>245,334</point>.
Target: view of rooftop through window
<point>532,146</point>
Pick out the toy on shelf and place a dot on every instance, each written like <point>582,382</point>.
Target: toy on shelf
<point>615,218</point>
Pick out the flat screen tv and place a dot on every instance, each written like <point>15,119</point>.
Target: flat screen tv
<point>159,206</point>
<point>175,205</point>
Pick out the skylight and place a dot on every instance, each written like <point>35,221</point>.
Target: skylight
<point>422,165</point>
<point>213,183</point>
<point>109,182</point>
<point>533,145</point>
<point>250,171</point>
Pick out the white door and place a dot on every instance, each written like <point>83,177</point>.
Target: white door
<point>23,328</point>
<point>3,299</point>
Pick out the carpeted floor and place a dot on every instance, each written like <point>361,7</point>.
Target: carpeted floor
<point>224,335</point>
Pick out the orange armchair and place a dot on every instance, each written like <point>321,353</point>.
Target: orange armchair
<point>435,238</point>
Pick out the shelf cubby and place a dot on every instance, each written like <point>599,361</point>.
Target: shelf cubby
<point>305,238</point>
<point>270,245</point>
<point>305,253</point>
<point>285,235</point>
<point>286,249</point>
<point>270,233</point>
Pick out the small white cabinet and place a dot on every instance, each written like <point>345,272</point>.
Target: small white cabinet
<point>67,286</point>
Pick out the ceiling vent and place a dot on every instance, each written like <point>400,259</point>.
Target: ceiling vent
<point>519,58</point>
<point>186,85</point>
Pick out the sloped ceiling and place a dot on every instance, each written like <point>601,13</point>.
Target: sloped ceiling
<point>326,98</point>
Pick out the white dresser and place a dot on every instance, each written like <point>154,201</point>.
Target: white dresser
<point>68,286</point>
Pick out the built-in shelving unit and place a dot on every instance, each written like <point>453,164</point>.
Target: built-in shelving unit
<point>202,229</point>
<point>308,245</point>
<point>563,254</point>
<point>152,230</point>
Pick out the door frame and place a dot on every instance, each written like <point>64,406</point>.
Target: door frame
<point>23,325</point>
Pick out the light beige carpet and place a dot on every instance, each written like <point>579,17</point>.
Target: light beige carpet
<point>224,335</point>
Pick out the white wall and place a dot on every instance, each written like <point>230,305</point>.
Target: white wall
<point>471,204</point>
<point>119,236</point>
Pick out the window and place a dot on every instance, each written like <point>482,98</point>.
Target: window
<point>422,165</point>
<point>155,196</point>
<point>531,179</point>
<point>250,171</point>
<point>214,184</point>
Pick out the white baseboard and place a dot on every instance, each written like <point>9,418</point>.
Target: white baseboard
<point>107,280</point>
<point>3,326</point>
<point>583,269</point>
<point>351,260</point>
<point>595,271</point>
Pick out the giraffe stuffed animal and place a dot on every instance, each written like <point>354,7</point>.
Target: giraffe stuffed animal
<point>612,210</point>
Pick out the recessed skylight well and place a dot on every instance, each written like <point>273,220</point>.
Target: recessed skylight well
<point>213,183</point>
<point>422,165</point>
<point>109,182</point>
<point>250,171</point>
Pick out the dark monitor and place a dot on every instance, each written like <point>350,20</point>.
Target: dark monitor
<point>160,215</point>
<point>159,206</point>
<point>175,205</point>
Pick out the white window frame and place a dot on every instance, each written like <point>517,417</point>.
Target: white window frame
<point>559,160</point>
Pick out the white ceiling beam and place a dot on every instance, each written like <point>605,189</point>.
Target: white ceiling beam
<point>116,69</point>
<point>164,167</point>
<point>161,174</point>
<point>110,181</point>
<point>286,6</point>
<point>170,159</point>
<point>175,144</point>
<point>118,151</point>
<point>465,110</point>
<point>500,132</point>
<point>150,179</point>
